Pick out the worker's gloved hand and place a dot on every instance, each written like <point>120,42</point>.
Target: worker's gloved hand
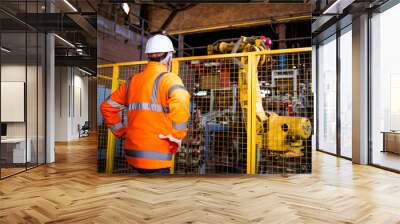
<point>120,133</point>
<point>174,143</point>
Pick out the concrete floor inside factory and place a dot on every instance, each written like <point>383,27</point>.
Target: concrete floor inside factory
<point>71,191</point>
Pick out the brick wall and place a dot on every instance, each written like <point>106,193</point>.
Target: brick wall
<point>111,49</point>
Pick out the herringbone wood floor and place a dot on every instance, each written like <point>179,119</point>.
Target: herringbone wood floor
<point>70,191</point>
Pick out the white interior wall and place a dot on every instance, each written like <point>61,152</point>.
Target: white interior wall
<point>71,94</point>
<point>61,103</point>
<point>30,128</point>
<point>10,73</point>
<point>16,73</point>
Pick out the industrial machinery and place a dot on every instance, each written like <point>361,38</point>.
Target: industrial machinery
<point>217,137</point>
<point>280,135</point>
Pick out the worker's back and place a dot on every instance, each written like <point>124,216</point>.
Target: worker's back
<point>158,110</point>
<point>148,112</point>
<point>157,104</point>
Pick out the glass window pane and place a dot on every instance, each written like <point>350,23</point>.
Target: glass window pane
<point>385,89</point>
<point>346,94</point>
<point>327,96</point>
<point>14,153</point>
<point>22,81</point>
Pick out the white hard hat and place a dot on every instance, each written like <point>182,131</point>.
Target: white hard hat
<point>159,44</point>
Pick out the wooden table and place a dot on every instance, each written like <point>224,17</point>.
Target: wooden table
<point>391,141</point>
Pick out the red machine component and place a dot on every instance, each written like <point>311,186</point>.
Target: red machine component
<point>267,42</point>
<point>290,109</point>
<point>225,77</point>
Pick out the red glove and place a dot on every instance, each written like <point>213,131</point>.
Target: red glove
<point>174,143</point>
<point>173,147</point>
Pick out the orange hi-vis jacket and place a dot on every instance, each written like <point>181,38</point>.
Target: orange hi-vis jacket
<point>157,103</point>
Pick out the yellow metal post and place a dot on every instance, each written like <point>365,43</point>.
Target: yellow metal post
<point>175,69</point>
<point>254,82</point>
<point>111,137</point>
<point>249,112</point>
<point>175,66</point>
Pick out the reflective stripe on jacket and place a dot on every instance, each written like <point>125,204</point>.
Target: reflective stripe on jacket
<point>157,103</point>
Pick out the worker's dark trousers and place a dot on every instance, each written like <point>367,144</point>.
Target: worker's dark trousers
<point>157,172</point>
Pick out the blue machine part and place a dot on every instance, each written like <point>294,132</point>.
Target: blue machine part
<point>102,94</point>
<point>282,61</point>
<point>210,126</point>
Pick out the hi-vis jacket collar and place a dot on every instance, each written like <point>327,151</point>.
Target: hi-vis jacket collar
<point>155,66</point>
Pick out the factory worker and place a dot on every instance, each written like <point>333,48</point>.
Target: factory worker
<point>157,105</point>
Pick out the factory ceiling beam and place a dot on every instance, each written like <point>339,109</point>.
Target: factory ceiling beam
<point>174,12</point>
<point>13,20</point>
<point>54,22</point>
<point>50,22</point>
<point>242,24</point>
<point>84,24</point>
<point>209,16</point>
<point>169,19</point>
<point>91,5</point>
<point>45,22</point>
<point>79,15</point>
<point>80,61</point>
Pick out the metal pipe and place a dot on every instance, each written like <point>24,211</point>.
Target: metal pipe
<point>141,39</point>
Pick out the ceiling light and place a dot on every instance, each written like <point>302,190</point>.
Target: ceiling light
<point>79,51</point>
<point>70,5</point>
<point>5,50</point>
<point>126,8</point>
<point>65,41</point>
<point>86,72</point>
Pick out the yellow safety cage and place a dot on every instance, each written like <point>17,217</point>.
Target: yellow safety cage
<point>233,83</point>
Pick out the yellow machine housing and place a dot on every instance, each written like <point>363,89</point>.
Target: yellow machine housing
<point>280,135</point>
<point>286,134</point>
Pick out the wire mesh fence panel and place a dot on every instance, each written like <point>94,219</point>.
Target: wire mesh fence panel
<point>285,90</point>
<point>120,164</point>
<point>216,142</point>
<point>250,113</point>
<point>104,81</point>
